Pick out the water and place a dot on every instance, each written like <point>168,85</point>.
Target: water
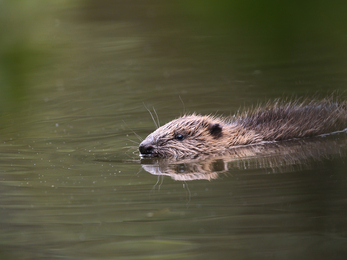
<point>75,81</point>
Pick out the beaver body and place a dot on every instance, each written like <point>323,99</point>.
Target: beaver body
<point>192,135</point>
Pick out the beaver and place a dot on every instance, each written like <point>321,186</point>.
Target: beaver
<point>192,135</point>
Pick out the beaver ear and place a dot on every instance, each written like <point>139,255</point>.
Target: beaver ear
<point>215,130</point>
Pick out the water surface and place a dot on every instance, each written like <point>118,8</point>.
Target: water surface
<point>72,183</point>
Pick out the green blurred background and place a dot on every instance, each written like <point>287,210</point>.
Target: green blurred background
<point>227,34</point>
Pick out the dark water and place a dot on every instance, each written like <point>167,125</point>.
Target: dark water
<point>75,80</point>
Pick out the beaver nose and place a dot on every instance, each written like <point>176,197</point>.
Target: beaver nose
<point>146,148</point>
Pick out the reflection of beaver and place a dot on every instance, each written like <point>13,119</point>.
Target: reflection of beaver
<point>192,135</point>
<point>279,157</point>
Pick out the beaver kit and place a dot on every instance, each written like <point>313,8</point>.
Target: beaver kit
<point>192,135</point>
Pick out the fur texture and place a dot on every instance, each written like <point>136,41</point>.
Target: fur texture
<point>191,135</point>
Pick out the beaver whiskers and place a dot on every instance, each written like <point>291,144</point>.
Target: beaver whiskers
<point>192,135</point>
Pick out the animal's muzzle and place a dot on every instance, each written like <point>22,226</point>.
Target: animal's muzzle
<point>146,149</point>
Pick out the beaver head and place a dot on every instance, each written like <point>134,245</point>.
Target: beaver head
<point>186,136</point>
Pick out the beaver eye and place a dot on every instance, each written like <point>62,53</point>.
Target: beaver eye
<point>179,137</point>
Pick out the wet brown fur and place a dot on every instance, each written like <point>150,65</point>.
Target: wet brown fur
<point>276,121</point>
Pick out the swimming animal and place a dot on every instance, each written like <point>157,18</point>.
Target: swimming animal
<point>191,135</point>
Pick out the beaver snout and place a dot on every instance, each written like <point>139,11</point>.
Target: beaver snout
<point>146,148</point>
